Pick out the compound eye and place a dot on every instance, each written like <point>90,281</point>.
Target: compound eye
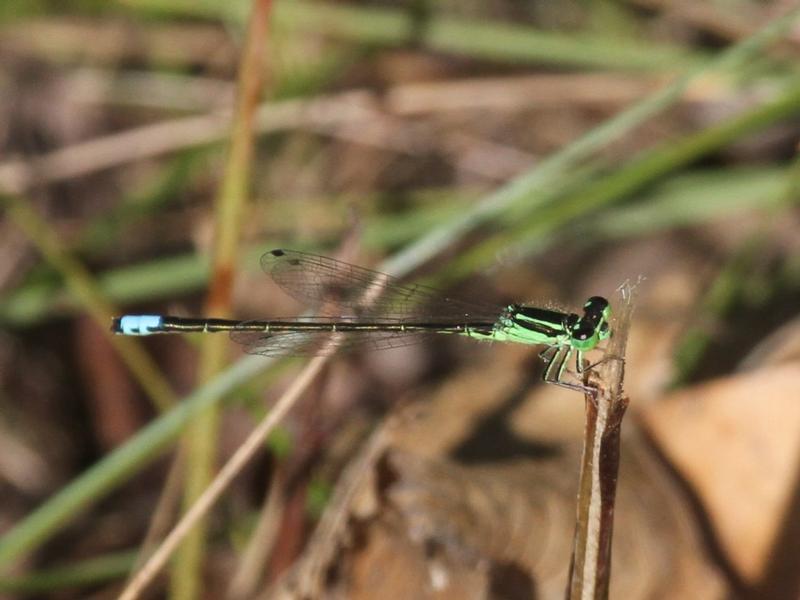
<point>596,303</point>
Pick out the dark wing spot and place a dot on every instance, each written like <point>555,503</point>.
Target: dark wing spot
<point>277,252</point>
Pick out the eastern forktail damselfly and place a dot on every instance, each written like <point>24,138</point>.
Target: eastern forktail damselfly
<point>399,315</point>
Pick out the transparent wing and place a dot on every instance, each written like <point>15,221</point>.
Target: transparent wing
<point>318,280</point>
<point>321,343</point>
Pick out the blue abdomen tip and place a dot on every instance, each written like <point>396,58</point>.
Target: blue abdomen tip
<point>140,324</point>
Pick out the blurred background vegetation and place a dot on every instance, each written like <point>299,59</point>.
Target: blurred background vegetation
<point>507,150</point>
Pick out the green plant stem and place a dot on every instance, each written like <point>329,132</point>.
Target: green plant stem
<point>90,572</point>
<point>201,439</point>
<point>489,41</point>
<point>469,37</point>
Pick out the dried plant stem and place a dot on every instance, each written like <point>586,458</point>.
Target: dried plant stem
<point>590,568</point>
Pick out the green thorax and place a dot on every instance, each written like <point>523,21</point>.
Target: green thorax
<point>532,325</point>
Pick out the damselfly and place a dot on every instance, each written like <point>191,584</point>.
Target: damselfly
<point>376,311</point>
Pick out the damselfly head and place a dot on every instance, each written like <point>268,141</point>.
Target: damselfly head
<point>593,325</point>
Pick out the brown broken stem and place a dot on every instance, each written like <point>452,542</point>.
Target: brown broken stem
<point>590,568</point>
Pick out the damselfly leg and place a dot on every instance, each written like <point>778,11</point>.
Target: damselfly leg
<point>556,359</point>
